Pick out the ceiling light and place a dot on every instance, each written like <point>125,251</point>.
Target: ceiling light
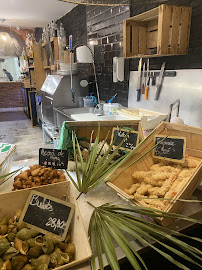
<point>3,37</point>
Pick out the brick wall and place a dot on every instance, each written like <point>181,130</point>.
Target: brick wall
<point>10,95</point>
<point>193,59</point>
<point>104,24</point>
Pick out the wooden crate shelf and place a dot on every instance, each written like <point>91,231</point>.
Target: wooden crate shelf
<point>162,31</point>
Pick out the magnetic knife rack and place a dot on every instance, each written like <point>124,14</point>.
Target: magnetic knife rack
<point>156,74</point>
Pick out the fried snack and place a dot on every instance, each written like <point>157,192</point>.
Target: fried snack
<point>163,180</point>
<point>143,189</point>
<point>37,175</point>
<point>133,188</point>
<point>192,163</point>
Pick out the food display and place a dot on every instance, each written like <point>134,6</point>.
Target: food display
<point>24,248</point>
<point>163,180</point>
<point>36,176</point>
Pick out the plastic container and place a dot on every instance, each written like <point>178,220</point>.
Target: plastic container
<point>88,102</point>
<point>111,108</point>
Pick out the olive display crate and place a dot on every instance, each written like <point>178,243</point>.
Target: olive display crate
<point>162,31</point>
<point>16,200</point>
<point>121,181</point>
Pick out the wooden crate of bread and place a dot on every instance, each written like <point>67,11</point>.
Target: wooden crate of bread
<point>84,129</point>
<point>180,185</point>
<point>161,31</point>
<point>16,200</point>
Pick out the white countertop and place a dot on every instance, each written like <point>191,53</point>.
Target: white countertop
<point>94,117</point>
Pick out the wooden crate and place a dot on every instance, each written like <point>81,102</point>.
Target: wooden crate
<point>162,31</point>
<point>27,82</point>
<point>16,200</point>
<point>194,149</point>
<point>84,129</point>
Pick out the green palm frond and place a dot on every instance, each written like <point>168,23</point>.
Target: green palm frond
<point>9,174</point>
<point>94,172</point>
<point>110,222</point>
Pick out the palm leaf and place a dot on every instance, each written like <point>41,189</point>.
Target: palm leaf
<point>112,220</point>
<point>9,174</point>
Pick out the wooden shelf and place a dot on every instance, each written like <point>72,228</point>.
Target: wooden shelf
<point>165,29</point>
<point>46,67</point>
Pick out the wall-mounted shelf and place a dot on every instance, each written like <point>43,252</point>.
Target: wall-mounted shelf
<point>162,31</point>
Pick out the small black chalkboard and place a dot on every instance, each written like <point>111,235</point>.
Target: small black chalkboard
<point>131,140</point>
<point>171,148</point>
<point>56,159</point>
<point>47,214</point>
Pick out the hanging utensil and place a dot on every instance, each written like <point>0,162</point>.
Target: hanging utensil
<point>147,82</point>
<point>153,78</point>
<point>139,80</point>
<point>143,79</point>
<point>160,81</point>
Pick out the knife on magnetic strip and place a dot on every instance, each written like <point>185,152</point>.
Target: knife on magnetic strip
<point>139,80</point>
<point>160,80</point>
<point>147,82</point>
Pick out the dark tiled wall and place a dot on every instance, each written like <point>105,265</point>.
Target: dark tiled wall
<point>74,23</point>
<point>105,25</point>
<point>193,59</point>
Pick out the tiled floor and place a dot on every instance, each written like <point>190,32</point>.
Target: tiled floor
<point>16,128</point>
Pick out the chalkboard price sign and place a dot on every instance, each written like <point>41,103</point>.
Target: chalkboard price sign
<point>56,159</point>
<point>131,140</point>
<point>47,214</point>
<point>171,148</point>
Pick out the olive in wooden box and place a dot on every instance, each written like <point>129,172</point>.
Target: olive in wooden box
<point>16,200</point>
<point>161,31</point>
<point>84,129</point>
<point>152,177</point>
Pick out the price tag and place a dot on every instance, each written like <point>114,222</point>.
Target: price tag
<point>131,140</point>
<point>56,159</point>
<point>172,148</point>
<point>47,214</point>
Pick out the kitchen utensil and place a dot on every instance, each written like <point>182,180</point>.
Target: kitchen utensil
<point>153,78</point>
<point>147,82</point>
<point>160,81</point>
<point>143,79</point>
<point>110,101</point>
<point>139,80</point>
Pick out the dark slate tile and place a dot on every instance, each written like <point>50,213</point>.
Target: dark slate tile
<point>115,29</point>
<point>108,47</point>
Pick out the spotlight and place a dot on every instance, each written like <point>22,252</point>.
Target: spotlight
<point>4,37</point>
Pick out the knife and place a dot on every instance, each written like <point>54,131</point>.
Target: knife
<point>143,79</point>
<point>139,80</point>
<point>147,82</point>
<point>160,80</point>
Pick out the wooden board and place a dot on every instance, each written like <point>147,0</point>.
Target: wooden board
<point>46,213</point>
<point>163,29</point>
<point>16,200</point>
<point>172,148</point>
<point>40,73</point>
<point>130,142</point>
<point>185,29</point>
<point>193,141</point>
